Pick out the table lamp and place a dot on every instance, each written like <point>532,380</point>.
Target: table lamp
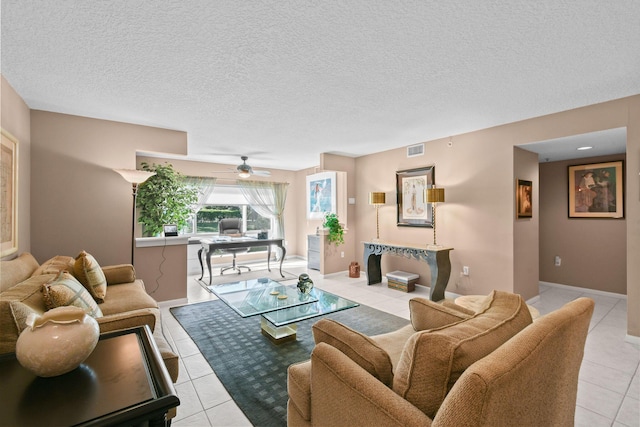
<point>434,196</point>
<point>377,199</point>
<point>135,177</point>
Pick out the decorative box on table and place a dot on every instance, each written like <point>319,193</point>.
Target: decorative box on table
<point>402,281</point>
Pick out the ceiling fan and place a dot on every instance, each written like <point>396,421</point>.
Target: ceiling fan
<point>245,171</point>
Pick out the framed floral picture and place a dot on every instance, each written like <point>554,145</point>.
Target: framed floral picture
<point>413,209</point>
<point>321,194</point>
<point>596,190</point>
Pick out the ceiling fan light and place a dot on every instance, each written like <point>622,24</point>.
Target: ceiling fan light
<point>244,174</point>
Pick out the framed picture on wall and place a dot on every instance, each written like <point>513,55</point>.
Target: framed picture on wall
<point>524,199</point>
<point>321,194</point>
<point>413,209</point>
<point>9,194</point>
<point>596,190</point>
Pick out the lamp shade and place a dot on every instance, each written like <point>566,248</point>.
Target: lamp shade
<point>135,176</point>
<point>435,195</point>
<point>377,198</point>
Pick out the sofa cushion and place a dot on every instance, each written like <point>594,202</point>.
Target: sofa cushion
<point>127,297</point>
<point>89,273</point>
<point>434,359</point>
<point>426,314</point>
<point>358,347</point>
<point>55,265</point>
<point>65,290</point>
<point>16,270</point>
<point>16,304</point>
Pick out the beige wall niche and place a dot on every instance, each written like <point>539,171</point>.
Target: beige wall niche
<point>77,201</point>
<point>592,250</point>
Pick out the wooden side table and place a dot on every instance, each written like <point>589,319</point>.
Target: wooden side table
<point>123,382</point>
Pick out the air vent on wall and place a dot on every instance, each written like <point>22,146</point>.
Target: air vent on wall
<point>415,150</point>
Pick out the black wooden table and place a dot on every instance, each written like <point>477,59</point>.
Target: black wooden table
<point>123,382</point>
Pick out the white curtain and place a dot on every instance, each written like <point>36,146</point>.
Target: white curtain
<point>268,199</point>
<point>205,186</point>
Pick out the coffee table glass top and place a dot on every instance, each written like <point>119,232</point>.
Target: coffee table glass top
<point>258,296</point>
<point>325,303</point>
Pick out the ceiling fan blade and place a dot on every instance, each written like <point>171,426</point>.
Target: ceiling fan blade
<point>261,173</point>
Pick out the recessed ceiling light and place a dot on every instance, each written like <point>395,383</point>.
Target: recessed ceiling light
<point>584,148</point>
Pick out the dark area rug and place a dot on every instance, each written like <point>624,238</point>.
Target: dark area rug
<point>251,368</point>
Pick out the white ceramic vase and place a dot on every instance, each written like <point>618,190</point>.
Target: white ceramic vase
<point>57,342</point>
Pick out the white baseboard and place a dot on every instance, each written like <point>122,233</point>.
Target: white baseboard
<point>590,291</point>
<point>632,339</point>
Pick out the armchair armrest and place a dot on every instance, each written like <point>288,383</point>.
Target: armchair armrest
<point>343,393</point>
<point>121,273</point>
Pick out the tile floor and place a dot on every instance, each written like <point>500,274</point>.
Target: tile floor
<point>609,383</point>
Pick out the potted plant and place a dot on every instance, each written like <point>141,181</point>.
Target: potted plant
<point>336,232</point>
<point>165,198</point>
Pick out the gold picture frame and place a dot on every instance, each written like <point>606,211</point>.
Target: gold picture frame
<point>596,190</point>
<point>8,194</point>
<point>524,199</point>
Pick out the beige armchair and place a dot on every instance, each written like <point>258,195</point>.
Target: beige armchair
<point>493,368</point>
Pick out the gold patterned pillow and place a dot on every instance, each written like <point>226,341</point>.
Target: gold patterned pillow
<point>89,273</point>
<point>65,290</point>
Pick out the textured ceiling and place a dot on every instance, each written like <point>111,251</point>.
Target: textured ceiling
<point>283,81</point>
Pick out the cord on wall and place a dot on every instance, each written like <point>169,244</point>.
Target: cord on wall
<point>160,268</point>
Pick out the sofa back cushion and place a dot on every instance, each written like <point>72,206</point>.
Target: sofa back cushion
<point>15,305</point>
<point>434,359</point>
<point>16,270</point>
<point>55,265</point>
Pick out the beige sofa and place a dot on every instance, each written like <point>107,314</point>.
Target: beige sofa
<point>125,302</point>
<point>492,368</point>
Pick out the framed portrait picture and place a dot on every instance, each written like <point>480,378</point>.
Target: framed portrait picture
<point>321,194</point>
<point>596,190</point>
<point>413,209</point>
<point>9,194</point>
<point>524,199</point>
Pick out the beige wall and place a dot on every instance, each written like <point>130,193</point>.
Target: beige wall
<point>593,251</point>
<point>477,219</point>
<point>77,201</point>
<point>16,120</point>
<point>526,230</point>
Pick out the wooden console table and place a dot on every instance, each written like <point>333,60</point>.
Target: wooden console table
<point>437,259</point>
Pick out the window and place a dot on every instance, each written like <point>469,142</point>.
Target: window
<point>227,201</point>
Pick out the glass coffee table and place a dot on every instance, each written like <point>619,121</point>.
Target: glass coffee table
<point>279,306</point>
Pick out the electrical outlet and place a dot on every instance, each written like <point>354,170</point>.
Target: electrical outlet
<point>342,254</point>
<point>465,270</point>
<point>558,261</point>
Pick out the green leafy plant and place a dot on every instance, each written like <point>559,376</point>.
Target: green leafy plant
<point>165,198</point>
<point>336,232</point>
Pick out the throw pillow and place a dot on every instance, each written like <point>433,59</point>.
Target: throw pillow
<point>358,347</point>
<point>65,290</point>
<point>89,273</point>
<point>433,360</point>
